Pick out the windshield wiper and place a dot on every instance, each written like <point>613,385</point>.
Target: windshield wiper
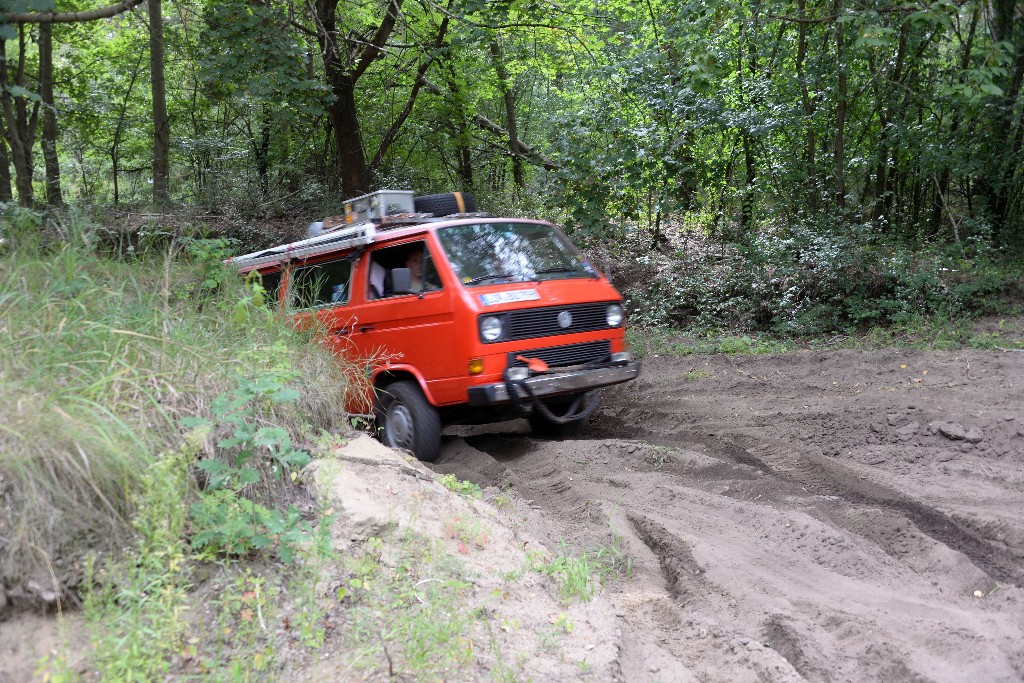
<point>562,269</point>
<point>482,278</point>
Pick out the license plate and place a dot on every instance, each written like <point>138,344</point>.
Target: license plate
<point>509,297</point>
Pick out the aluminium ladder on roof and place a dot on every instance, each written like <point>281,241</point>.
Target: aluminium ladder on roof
<point>355,236</point>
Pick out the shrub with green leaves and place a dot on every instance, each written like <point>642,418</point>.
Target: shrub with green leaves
<point>466,488</point>
<point>816,278</point>
<point>224,521</point>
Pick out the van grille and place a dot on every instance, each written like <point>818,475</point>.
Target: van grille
<point>543,322</point>
<point>559,356</point>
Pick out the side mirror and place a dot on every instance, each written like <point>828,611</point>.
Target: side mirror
<point>401,280</point>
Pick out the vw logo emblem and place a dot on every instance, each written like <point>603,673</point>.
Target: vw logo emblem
<point>564,319</point>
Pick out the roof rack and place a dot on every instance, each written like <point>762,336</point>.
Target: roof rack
<point>355,236</point>
<point>364,217</point>
<point>403,219</point>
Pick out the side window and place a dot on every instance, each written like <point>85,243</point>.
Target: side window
<point>321,284</point>
<point>416,257</point>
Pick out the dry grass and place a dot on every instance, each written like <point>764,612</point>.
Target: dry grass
<point>99,360</point>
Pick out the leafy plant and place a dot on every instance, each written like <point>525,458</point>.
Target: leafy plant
<point>134,607</point>
<point>465,488</point>
<point>811,279</point>
<point>223,520</point>
<point>208,256</point>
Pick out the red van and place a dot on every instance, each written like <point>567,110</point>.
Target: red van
<point>459,318</point>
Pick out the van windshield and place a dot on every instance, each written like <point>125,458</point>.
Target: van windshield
<point>490,253</point>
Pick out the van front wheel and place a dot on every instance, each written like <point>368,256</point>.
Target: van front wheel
<point>406,420</point>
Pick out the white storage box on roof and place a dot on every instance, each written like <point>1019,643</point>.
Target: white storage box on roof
<point>377,205</point>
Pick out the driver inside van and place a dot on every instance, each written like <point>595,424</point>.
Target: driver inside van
<point>423,278</point>
<point>415,265</point>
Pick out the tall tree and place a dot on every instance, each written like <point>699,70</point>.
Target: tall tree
<point>21,114</point>
<point>509,100</point>
<point>20,126</point>
<point>345,62</point>
<point>6,193</point>
<point>346,59</point>
<point>49,139</point>
<point>839,141</point>
<point>161,124</point>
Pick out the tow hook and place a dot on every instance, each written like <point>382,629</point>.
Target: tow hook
<point>582,406</point>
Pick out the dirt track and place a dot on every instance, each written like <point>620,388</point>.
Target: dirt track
<point>841,516</point>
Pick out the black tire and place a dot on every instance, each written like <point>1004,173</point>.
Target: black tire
<point>544,428</point>
<point>406,420</point>
<point>445,204</point>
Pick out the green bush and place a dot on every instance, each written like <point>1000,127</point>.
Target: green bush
<point>812,279</point>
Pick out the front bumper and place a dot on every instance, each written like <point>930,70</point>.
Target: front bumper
<point>554,383</point>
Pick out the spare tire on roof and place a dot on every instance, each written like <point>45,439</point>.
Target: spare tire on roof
<point>445,204</point>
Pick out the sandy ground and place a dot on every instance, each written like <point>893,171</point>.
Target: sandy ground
<point>820,516</point>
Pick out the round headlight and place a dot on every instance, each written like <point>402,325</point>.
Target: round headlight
<point>614,315</point>
<point>490,328</point>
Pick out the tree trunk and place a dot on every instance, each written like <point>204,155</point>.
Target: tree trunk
<point>161,126</point>
<point>342,70</point>
<point>943,181</point>
<point>262,149</point>
<point>53,194</point>
<point>342,111</point>
<point>808,104</point>
<point>460,128</point>
<point>115,146</point>
<point>749,166</point>
<point>837,148</point>
<point>510,113</point>
<point>883,175</point>
<point>6,191</point>
<point>348,138</point>
<point>464,159</point>
<point>20,125</point>
<point>1007,17</point>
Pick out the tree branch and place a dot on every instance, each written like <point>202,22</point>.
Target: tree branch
<point>481,121</point>
<point>392,134</point>
<point>69,17</point>
<point>302,29</point>
<point>387,25</point>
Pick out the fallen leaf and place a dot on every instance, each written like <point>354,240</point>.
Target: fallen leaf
<point>903,366</point>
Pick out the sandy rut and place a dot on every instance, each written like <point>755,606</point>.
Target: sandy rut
<point>826,516</point>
